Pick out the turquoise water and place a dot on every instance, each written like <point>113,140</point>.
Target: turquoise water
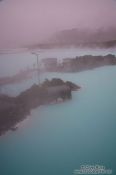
<point>59,138</point>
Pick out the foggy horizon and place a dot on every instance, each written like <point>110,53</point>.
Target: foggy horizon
<point>26,22</point>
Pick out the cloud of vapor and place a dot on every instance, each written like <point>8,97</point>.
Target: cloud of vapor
<point>31,21</point>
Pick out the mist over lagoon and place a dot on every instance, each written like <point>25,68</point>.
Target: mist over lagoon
<point>57,87</point>
<point>71,133</point>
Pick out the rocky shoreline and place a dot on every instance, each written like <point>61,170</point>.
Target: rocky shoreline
<point>15,109</point>
<point>76,64</point>
<point>86,62</point>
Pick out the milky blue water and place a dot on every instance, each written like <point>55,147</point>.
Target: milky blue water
<point>58,138</point>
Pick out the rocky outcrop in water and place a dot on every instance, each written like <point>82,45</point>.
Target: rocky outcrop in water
<point>15,109</point>
<point>81,63</point>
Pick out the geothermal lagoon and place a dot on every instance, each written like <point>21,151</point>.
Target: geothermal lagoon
<point>56,139</point>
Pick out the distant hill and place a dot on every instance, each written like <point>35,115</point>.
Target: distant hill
<point>81,38</point>
<point>76,35</point>
<point>109,44</point>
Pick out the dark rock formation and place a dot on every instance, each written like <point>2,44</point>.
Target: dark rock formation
<point>86,62</point>
<point>72,86</point>
<point>15,109</point>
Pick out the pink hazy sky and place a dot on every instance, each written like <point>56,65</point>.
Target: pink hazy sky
<point>31,21</point>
